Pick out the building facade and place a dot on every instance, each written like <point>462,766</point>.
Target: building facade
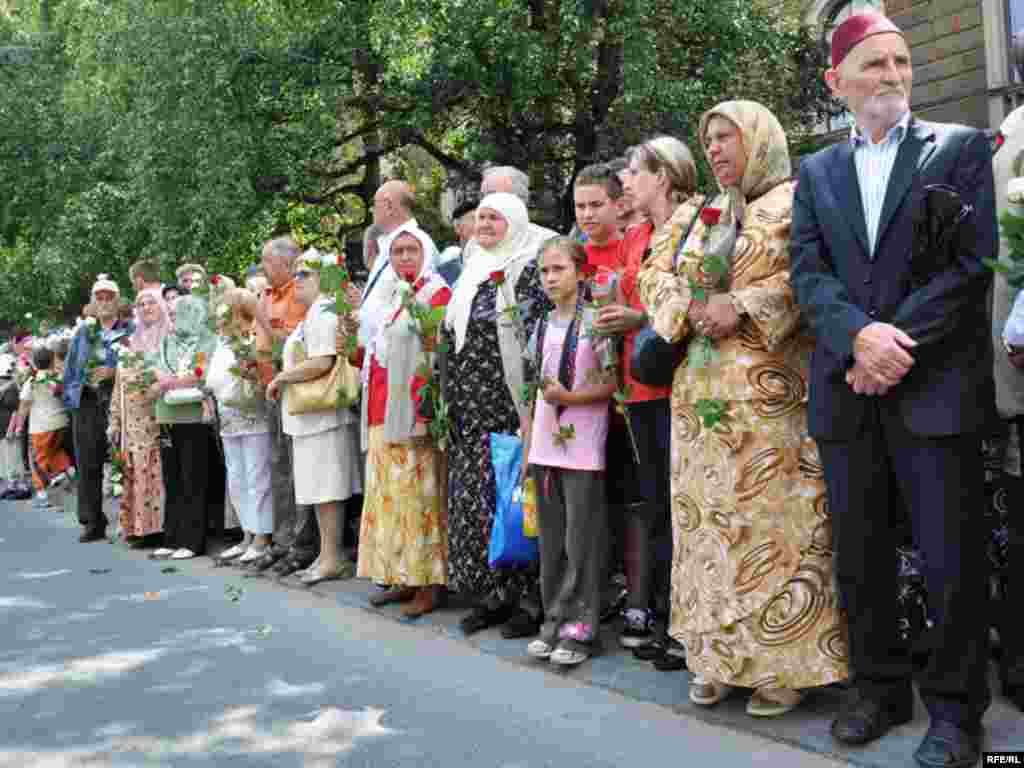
<point>968,55</point>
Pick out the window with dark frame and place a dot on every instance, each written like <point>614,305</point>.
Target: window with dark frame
<point>1015,41</point>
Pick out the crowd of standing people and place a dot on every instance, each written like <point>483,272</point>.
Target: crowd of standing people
<point>730,398</point>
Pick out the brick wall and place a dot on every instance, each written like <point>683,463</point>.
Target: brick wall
<point>947,46</point>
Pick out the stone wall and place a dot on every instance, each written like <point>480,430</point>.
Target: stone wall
<point>947,45</point>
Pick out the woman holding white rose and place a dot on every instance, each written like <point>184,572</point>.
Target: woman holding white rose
<point>133,429</point>
<point>321,438</point>
<point>180,364</point>
<point>244,428</point>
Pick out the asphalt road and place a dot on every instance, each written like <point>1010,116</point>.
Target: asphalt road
<point>105,660</point>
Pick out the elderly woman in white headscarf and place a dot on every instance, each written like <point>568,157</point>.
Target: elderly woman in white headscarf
<point>492,312</point>
<point>403,540</point>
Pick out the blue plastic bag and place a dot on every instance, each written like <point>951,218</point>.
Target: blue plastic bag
<point>508,547</point>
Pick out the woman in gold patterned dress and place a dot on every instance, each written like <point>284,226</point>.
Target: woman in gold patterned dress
<point>752,588</point>
<point>133,428</point>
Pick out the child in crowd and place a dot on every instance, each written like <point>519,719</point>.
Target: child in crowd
<point>565,453</point>
<point>13,473</point>
<point>42,407</point>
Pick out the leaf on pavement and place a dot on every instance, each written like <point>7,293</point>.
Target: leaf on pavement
<point>99,571</point>
<point>169,569</point>
<point>264,630</point>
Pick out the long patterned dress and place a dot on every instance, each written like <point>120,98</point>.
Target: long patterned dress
<point>753,597</point>
<point>480,403</point>
<point>131,410</point>
<point>403,536</point>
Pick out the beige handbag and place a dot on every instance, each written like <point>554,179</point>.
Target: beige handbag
<point>337,388</point>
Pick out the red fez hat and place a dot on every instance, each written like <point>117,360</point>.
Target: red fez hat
<point>855,30</point>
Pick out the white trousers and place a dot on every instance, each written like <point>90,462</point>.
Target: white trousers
<point>12,466</point>
<point>247,458</point>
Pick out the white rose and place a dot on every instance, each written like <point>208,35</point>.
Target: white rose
<point>28,315</point>
<point>90,321</point>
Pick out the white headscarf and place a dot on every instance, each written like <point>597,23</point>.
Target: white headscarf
<point>519,246</point>
<point>377,343</point>
<point>382,281</point>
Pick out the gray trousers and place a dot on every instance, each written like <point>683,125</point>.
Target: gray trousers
<point>294,525</point>
<point>573,517</point>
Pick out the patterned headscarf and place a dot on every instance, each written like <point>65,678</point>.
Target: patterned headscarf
<point>146,338</point>
<point>767,154</point>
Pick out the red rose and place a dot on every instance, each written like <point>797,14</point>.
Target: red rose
<point>603,277</point>
<point>498,277</point>
<point>710,216</point>
<point>417,383</point>
<point>215,280</point>
<point>588,270</point>
<point>409,276</point>
<point>199,372</point>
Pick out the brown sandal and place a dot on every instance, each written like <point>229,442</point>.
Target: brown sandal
<point>425,601</point>
<point>394,595</point>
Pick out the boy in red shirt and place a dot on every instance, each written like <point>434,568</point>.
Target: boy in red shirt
<point>598,217</point>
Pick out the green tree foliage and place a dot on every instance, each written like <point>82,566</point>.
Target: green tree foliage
<point>191,130</point>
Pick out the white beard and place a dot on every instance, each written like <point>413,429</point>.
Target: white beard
<point>883,111</point>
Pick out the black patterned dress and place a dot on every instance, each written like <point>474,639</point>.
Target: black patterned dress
<point>480,403</point>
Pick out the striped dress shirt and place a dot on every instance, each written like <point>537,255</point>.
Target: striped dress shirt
<point>874,167</point>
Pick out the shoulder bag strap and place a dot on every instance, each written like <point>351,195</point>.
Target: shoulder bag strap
<point>686,235</point>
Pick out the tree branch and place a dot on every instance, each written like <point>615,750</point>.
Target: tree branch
<point>450,163</point>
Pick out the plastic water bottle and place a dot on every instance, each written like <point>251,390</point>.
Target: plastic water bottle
<point>529,502</point>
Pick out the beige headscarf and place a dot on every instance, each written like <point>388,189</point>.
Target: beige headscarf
<point>767,154</point>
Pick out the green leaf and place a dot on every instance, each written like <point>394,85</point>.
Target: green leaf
<point>710,411</point>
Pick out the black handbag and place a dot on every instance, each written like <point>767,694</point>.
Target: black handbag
<point>654,360</point>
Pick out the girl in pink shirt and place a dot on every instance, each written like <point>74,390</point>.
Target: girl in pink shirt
<point>565,452</point>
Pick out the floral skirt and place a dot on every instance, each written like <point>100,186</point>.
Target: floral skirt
<point>142,500</point>
<point>403,538</point>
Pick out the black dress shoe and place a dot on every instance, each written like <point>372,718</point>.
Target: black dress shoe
<point>93,534</point>
<point>653,650</point>
<point>673,659</point>
<point>947,745</point>
<point>522,624</point>
<point>482,617</point>
<point>1015,693</point>
<point>867,720</point>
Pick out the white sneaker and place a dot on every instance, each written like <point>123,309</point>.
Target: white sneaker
<point>231,554</point>
<point>183,554</point>
<point>163,552</point>
<point>252,554</point>
<point>540,649</point>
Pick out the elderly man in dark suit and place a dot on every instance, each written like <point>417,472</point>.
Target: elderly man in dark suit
<point>901,386</point>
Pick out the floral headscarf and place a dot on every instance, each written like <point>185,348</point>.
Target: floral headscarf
<point>146,338</point>
<point>768,162</point>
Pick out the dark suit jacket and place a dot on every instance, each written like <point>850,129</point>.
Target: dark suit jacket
<point>841,287</point>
